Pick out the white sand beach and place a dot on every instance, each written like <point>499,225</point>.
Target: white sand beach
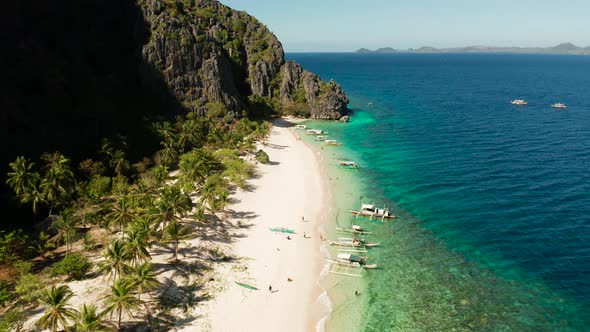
<point>287,190</point>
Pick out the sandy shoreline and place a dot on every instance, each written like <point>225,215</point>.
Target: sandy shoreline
<point>290,187</point>
<point>287,189</point>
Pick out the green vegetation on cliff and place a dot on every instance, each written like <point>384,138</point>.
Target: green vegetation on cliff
<point>135,205</point>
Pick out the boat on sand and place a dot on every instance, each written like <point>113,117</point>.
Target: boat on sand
<point>282,230</point>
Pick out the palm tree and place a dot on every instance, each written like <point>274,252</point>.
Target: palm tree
<point>121,299</point>
<point>89,319</point>
<point>165,131</point>
<point>168,154</point>
<point>175,233</point>
<point>34,196</point>
<point>199,215</point>
<point>179,202</point>
<point>188,135</point>
<point>145,226</point>
<point>173,204</point>
<point>57,313</point>
<point>143,278</point>
<point>136,245</point>
<point>118,162</point>
<point>52,190</point>
<point>214,187</point>
<point>261,132</point>
<point>121,213</point>
<point>66,229</point>
<point>43,244</point>
<point>58,179</point>
<point>115,257</point>
<point>22,176</point>
<point>142,191</point>
<point>219,203</point>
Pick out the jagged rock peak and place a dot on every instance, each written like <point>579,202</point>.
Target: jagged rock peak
<point>324,100</point>
<point>208,52</point>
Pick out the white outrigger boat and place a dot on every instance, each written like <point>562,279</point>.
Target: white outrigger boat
<point>371,210</point>
<point>559,105</point>
<point>354,229</point>
<point>348,164</point>
<point>349,265</point>
<point>301,126</point>
<point>332,142</point>
<point>353,243</point>
<point>519,102</point>
<point>314,131</point>
<point>321,138</point>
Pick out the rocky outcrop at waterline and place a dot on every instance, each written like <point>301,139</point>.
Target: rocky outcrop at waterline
<point>208,52</point>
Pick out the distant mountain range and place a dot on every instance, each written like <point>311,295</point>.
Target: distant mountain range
<point>564,48</point>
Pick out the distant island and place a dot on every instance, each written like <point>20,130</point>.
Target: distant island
<point>564,48</point>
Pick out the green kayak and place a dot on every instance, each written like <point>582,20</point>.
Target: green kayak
<point>282,230</point>
<point>246,285</point>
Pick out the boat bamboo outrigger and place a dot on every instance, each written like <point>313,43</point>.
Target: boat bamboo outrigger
<point>354,229</point>
<point>314,131</point>
<point>353,243</point>
<point>348,164</point>
<point>371,210</point>
<point>559,105</point>
<point>332,142</point>
<point>349,265</point>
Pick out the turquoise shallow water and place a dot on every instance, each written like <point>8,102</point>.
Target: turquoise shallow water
<point>493,230</point>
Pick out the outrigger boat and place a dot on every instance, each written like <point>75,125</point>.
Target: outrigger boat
<point>348,164</point>
<point>519,102</point>
<point>559,105</point>
<point>370,210</point>
<point>301,126</point>
<point>314,131</point>
<point>332,142</point>
<point>321,138</point>
<point>352,265</point>
<point>353,243</point>
<point>354,229</point>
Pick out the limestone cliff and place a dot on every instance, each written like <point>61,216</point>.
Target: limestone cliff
<point>208,52</point>
<point>76,71</point>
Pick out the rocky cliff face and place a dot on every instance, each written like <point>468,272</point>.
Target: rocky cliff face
<point>208,52</point>
<point>76,71</point>
<point>324,100</point>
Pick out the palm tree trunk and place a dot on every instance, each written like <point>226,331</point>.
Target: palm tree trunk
<point>175,251</point>
<point>119,323</point>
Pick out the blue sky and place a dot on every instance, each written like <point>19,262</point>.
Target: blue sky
<point>345,25</point>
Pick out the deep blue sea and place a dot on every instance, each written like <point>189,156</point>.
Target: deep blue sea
<point>493,199</point>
